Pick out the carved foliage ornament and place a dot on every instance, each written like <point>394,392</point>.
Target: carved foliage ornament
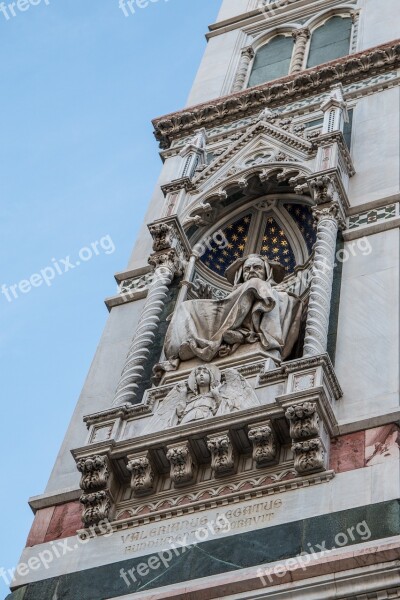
<point>143,476</point>
<point>182,464</point>
<point>97,507</point>
<point>309,456</point>
<point>222,454</point>
<point>95,473</point>
<point>304,420</point>
<point>265,446</point>
<point>94,482</point>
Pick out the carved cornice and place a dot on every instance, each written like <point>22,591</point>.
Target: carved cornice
<point>185,183</point>
<point>351,68</point>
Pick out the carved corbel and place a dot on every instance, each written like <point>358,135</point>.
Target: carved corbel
<point>143,481</point>
<point>162,234</point>
<point>304,421</point>
<point>309,456</point>
<point>95,483</point>
<point>95,473</point>
<point>223,455</point>
<point>97,507</point>
<point>183,465</point>
<point>265,444</point>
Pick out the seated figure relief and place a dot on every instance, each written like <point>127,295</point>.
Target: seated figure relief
<point>255,311</point>
<point>207,393</point>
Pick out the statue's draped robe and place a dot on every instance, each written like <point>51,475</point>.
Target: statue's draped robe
<point>254,308</point>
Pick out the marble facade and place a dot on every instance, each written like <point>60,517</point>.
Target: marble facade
<point>235,462</point>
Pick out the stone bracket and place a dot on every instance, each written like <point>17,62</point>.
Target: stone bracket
<point>223,454</point>
<point>144,478</point>
<point>98,486</point>
<point>310,439</point>
<point>265,444</point>
<point>183,464</point>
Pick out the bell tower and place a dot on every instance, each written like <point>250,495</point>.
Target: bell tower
<point>238,433</point>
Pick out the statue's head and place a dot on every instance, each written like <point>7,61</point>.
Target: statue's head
<point>203,376</point>
<point>256,267</point>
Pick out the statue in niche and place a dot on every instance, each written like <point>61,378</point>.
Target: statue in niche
<point>255,311</point>
<point>207,393</point>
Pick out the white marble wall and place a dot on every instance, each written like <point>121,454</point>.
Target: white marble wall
<point>367,357</point>
<point>378,22</point>
<point>375,147</point>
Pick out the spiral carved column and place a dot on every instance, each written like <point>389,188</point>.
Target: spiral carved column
<point>139,351</point>
<point>301,37</point>
<point>241,75</point>
<point>316,336</point>
<point>167,261</point>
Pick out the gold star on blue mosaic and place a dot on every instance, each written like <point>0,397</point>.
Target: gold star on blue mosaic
<point>275,246</point>
<point>303,217</point>
<point>218,257</point>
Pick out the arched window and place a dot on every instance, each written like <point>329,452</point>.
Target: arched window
<point>284,234</point>
<point>330,41</point>
<point>272,60</point>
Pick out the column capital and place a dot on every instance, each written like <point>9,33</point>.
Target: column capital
<point>304,32</point>
<point>329,213</point>
<point>170,245</point>
<point>248,52</point>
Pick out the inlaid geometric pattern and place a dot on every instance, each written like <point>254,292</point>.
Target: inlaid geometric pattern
<point>218,257</point>
<point>372,216</point>
<point>304,219</point>
<point>276,247</point>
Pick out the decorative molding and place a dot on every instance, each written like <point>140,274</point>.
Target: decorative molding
<point>352,68</point>
<point>265,445</point>
<point>166,506</point>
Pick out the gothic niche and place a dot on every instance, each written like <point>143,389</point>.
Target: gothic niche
<point>207,393</point>
<point>261,250</point>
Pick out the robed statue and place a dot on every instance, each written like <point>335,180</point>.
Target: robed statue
<point>255,311</point>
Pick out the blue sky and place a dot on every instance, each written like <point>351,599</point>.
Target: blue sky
<point>80,84</point>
